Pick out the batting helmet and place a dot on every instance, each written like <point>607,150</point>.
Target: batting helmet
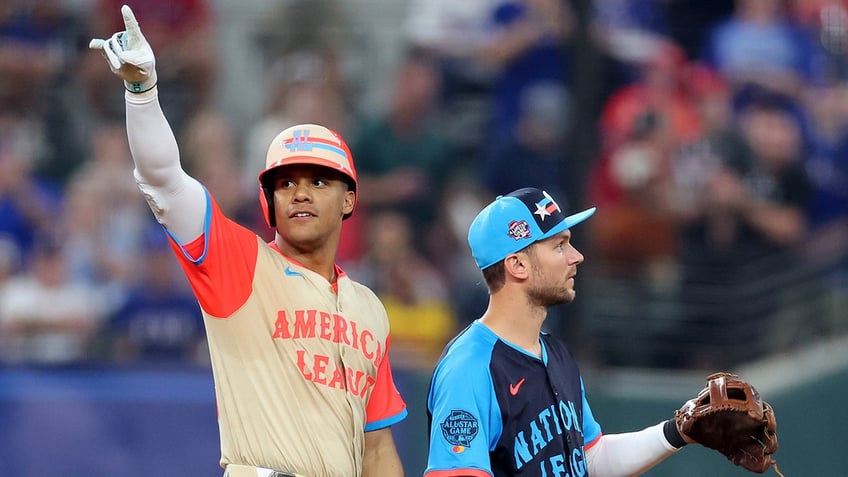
<point>304,144</point>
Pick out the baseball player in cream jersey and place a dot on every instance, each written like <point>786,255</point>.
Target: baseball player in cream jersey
<point>299,351</point>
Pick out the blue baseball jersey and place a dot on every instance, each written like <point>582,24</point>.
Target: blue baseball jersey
<point>497,410</point>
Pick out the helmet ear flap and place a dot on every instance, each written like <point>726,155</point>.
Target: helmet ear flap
<point>266,199</point>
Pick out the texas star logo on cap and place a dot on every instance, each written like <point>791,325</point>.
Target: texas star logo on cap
<point>546,206</point>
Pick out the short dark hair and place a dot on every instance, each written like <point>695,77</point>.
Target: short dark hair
<point>495,276</point>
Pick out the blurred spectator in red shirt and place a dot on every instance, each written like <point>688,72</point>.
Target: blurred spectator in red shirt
<point>659,88</point>
<point>633,185</point>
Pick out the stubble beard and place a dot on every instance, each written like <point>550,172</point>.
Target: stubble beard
<point>547,295</point>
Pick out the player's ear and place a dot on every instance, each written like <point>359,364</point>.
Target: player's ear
<point>349,202</point>
<point>517,265</point>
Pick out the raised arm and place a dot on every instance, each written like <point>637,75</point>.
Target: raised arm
<point>177,200</point>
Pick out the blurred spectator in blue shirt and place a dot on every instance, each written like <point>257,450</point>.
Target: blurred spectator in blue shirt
<point>761,45</point>
<point>827,164</point>
<point>827,167</point>
<point>629,32</point>
<point>528,48</point>
<point>160,320</point>
<point>34,47</point>
<point>538,153</point>
<point>27,204</point>
<point>38,46</point>
<point>826,23</point>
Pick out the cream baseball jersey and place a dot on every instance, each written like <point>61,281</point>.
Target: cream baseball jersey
<point>301,366</point>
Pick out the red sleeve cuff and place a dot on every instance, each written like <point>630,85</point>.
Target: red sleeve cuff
<point>458,473</point>
<point>594,441</point>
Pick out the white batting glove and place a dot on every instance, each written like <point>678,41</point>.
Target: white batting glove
<point>129,55</point>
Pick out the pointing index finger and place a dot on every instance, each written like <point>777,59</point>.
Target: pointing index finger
<point>130,23</point>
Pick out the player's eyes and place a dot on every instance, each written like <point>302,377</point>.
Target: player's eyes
<point>283,183</point>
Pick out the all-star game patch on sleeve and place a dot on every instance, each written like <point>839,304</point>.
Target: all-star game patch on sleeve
<point>463,412</point>
<point>385,406</point>
<point>220,263</point>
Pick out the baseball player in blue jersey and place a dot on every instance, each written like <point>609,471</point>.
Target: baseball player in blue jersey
<point>507,399</point>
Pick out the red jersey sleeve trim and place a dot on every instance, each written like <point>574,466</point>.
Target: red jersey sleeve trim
<point>594,441</point>
<point>220,264</point>
<point>458,473</point>
<point>385,406</point>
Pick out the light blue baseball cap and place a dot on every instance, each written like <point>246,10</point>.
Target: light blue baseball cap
<point>516,220</point>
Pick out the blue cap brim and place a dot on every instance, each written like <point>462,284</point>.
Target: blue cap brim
<point>575,219</point>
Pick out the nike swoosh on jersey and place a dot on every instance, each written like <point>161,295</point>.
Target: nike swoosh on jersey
<point>292,273</point>
<point>513,388</point>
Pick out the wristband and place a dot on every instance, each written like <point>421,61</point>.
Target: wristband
<point>136,87</point>
<point>672,435</point>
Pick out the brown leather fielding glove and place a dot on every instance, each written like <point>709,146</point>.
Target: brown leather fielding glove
<point>729,416</point>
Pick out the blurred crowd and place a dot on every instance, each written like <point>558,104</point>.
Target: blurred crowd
<point>712,137</point>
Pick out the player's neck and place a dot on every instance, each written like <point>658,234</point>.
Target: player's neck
<point>513,321</point>
<point>321,261</point>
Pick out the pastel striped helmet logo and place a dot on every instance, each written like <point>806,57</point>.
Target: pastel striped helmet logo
<point>299,141</point>
<point>310,144</point>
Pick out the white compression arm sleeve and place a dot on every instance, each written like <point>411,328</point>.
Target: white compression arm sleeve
<point>177,200</point>
<point>628,454</point>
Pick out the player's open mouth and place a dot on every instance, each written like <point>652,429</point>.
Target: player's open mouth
<point>301,215</point>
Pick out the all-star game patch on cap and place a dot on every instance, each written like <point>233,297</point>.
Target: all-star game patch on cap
<point>516,220</point>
